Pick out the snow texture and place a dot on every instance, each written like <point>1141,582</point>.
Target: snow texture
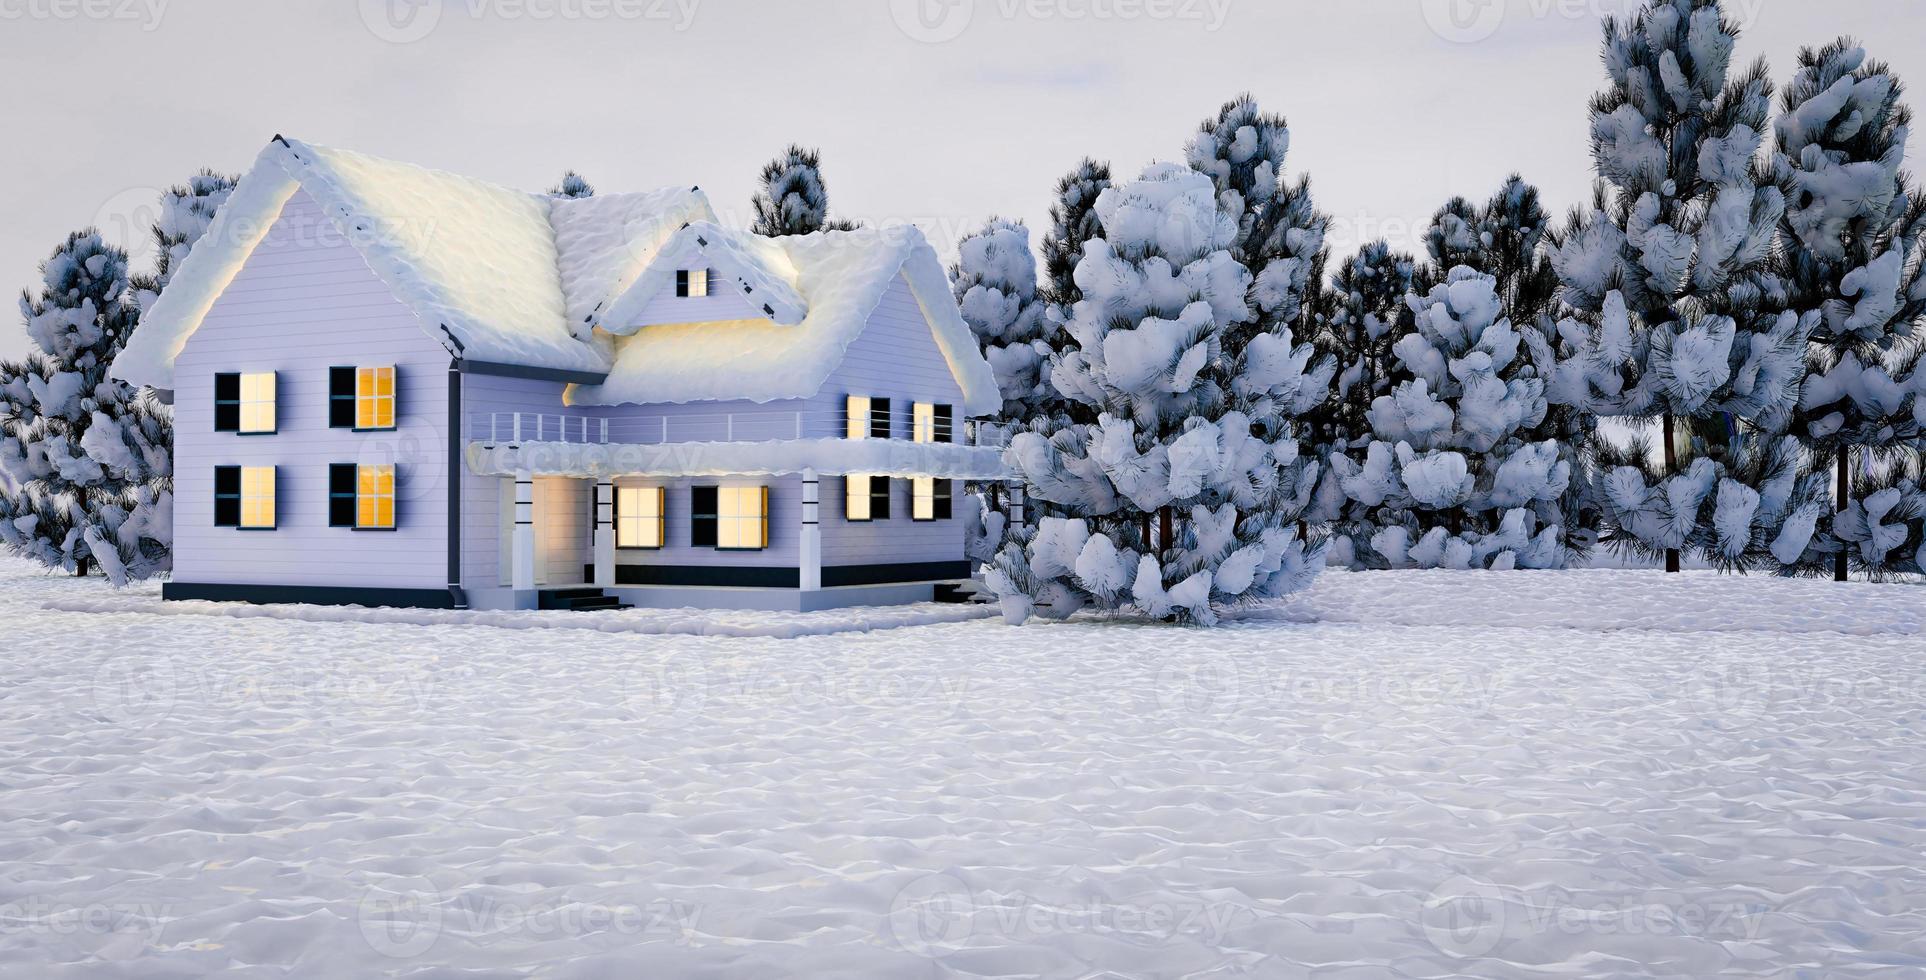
<point>1420,774</point>
<point>842,277</point>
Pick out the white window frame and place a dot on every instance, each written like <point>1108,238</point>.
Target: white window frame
<point>742,518</point>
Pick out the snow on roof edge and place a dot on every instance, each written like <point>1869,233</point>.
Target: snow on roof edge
<point>210,267</point>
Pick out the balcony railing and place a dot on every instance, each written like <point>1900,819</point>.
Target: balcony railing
<point>515,428</point>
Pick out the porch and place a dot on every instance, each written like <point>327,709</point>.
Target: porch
<point>582,509</point>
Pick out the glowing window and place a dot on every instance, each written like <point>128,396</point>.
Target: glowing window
<point>244,403</point>
<point>931,499</point>
<point>639,513</point>
<point>374,398</point>
<point>692,282</point>
<point>244,497</point>
<point>923,422</point>
<point>865,498</point>
<point>375,498</point>
<point>742,518</point>
<point>858,416</point>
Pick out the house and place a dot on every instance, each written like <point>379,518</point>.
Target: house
<point>395,386</point>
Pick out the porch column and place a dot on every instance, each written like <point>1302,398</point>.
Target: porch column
<point>812,532</point>
<point>1017,515</point>
<point>605,534</point>
<point>523,556</point>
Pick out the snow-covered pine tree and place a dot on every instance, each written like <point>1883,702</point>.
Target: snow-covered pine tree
<point>89,456</point>
<point>186,211</point>
<point>1677,313</point>
<point>572,185</point>
<point>1280,234</point>
<point>1188,437</point>
<point>1368,316</point>
<point>1456,387</point>
<point>1073,221</point>
<point>1457,475</point>
<point>1851,247</point>
<point>995,279</point>
<point>794,200</point>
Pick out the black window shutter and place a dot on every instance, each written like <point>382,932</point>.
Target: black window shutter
<point>682,282</point>
<point>702,517</point>
<point>343,491</point>
<point>944,507</point>
<point>945,423</point>
<point>879,494</point>
<point>227,403</point>
<point>879,418</point>
<point>341,391</point>
<point>227,496</point>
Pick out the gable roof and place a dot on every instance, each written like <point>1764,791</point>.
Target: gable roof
<point>755,266</point>
<point>606,242</point>
<point>842,277</point>
<point>526,279</point>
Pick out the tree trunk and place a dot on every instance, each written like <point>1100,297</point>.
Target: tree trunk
<point>81,567</point>
<point>1150,546</point>
<point>1672,564</point>
<point>1165,532</point>
<point>1841,499</point>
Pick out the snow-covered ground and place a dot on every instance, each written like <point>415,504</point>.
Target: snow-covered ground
<point>1403,774</point>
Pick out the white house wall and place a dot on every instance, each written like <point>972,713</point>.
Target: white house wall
<point>306,301</point>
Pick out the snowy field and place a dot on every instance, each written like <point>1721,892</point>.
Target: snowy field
<point>1404,774</point>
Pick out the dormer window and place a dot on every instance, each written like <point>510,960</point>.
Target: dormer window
<point>692,282</point>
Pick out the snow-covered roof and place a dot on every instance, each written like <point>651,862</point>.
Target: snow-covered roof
<point>526,279</point>
<point>841,277</point>
<point>755,266</point>
<point>607,241</point>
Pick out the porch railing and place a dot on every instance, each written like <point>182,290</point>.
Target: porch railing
<point>514,428</point>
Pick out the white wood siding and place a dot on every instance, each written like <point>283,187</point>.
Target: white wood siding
<point>307,301</point>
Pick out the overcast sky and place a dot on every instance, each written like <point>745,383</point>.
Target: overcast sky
<point>940,112</point>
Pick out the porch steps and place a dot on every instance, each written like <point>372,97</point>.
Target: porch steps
<point>961,593</point>
<point>581,600</point>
